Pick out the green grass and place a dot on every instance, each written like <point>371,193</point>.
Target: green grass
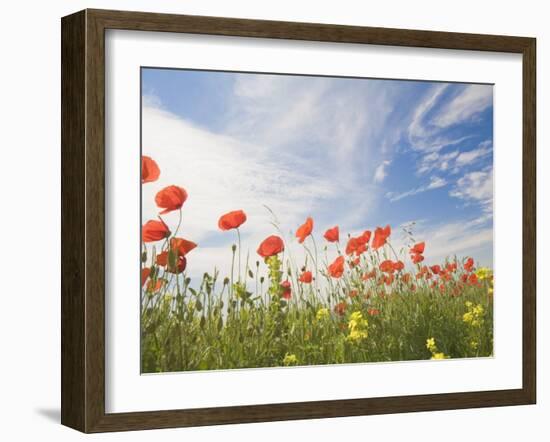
<point>185,329</point>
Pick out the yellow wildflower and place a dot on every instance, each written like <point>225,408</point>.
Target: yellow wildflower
<point>358,327</point>
<point>430,345</point>
<point>483,273</point>
<point>290,359</point>
<point>439,356</point>
<point>474,345</point>
<point>322,314</point>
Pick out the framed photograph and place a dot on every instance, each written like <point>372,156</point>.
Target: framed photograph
<point>267,220</point>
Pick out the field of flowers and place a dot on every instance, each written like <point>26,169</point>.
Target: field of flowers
<point>353,299</point>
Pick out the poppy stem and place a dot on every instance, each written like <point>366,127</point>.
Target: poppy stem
<point>239,238</point>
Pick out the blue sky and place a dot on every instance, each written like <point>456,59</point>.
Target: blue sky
<point>353,152</point>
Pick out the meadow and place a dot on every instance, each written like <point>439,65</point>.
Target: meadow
<point>353,299</point>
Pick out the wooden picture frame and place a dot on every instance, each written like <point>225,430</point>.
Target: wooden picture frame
<point>83,220</point>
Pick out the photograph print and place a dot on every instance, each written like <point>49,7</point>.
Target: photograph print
<point>292,220</point>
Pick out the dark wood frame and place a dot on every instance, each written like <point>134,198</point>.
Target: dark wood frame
<point>83,220</point>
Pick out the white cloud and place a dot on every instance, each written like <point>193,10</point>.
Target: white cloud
<point>380,173</point>
<point>435,183</point>
<point>431,118</point>
<point>471,156</point>
<point>474,99</point>
<point>476,187</point>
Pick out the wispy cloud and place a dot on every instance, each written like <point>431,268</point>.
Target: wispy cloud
<point>476,187</point>
<point>380,173</point>
<point>471,156</point>
<point>474,99</point>
<point>435,183</point>
<point>427,130</point>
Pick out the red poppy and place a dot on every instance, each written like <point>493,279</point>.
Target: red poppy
<point>170,198</point>
<point>182,246</point>
<point>145,272</point>
<point>355,262</point>
<point>464,277</point>
<point>352,246</point>
<point>154,231</point>
<point>149,169</point>
<point>406,278</point>
<point>153,286</point>
<point>163,261</point>
<point>373,311</point>
<point>353,293</point>
<point>451,267</point>
<point>286,289</point>
<point>332,235</point>
<point>306,277</point>
<point>388,279</point>
<point>418,248</point>
<point>340,308</point>
<point>398,266</point>
<point>336,269</point>
<point>436,269</point>
<point>386,266</point>
<point>369,275</point>
<point>365,237</point>
<point>469,265</point>
<point>232,220</point>
<point>380,237</point>
<point>270,246</point>
<point>416,258</point>
<point>358,244</point>
<point>304,230</point>
<point>472,279</point>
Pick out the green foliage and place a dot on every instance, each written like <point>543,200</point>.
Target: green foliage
<point>193,330</point>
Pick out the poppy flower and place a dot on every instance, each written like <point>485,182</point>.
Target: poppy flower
<point>304,230</point>
<point>286,289</point>
<point>270,246</point>
<point>340,308</point>
<point>472,279</point>
<point>352,246</point>
<point>153,286</point>
<point>369,275</point>
<point>145,272</point>
<point>365,237</point>
<point>416,258</point>
<point>469,265</point>
<point>149,170</point>
<point>451,267</point>
<point>355,262</point>
<point>336,269</point>
<point>373,311</point>
<point>306,277</point>
<point>436,269</point>
<point>406,278</point>
<point>388,279</point>
<point>163,261</point>
<point>170,198</point>
<point>398,266</point>
<point>380,236</point>
<point>353,293</point>
<point>418,248</point>
<point>386,266</point>
<point>182,246</point>
<point>232,220</point>
<point>154,231</point>
<point>332,235</point>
